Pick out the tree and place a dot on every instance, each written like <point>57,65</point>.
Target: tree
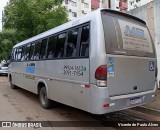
<point>7,39</point>
<point>31,17</point>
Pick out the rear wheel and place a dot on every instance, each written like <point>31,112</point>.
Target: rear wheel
<point>45,102</point>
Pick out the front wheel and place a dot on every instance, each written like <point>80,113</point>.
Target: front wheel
<point>45,102</point>
<point>12,85</point>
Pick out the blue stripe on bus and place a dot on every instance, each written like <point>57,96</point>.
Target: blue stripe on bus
<point>30,69</point>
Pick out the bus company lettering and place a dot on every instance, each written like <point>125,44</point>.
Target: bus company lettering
<point>135,37</point>
<point>74,70</point>
<point>134,32</point>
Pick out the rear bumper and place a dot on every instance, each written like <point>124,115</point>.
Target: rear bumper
<point>124,103</point>
<point>117,103</point>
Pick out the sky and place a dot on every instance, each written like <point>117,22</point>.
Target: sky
<point>2,4</point>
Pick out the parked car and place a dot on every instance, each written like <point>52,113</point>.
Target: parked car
<point>3,69</point>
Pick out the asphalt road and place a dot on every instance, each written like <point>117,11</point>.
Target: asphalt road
<point>21,105</point>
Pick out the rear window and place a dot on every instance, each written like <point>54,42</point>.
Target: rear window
<point>126,36</point>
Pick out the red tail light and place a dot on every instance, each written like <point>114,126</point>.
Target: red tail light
<point>101,73</point>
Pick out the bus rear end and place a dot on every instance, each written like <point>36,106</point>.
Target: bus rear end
<point>129,75</point>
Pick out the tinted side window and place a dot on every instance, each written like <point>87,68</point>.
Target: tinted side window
<point>72,43</point>
<point>84,51</point>
<point>43,49</point>
<point>15,54</point>
<point>13,51</point>
<point>51,47</point>
<point>60,45</point>
<point>27,52</point>
<point>31,55</point>
<point>37,50</point>
<point>19,53</point>
<point>23,53</point>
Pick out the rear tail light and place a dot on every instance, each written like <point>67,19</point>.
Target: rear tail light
<point>101,76</point>
<point>101,73</point>
<point>106,105</point>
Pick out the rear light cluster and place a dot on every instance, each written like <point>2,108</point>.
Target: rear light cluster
<point>101,76</point>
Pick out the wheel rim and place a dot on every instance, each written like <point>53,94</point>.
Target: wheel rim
<point>43,97</point>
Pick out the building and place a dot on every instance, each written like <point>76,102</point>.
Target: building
<point>104,3</point>
<point>77,8</point>
<point>144,2</point>
<point>119,5</point>
<point>132,4</point>
<point>95,4</point>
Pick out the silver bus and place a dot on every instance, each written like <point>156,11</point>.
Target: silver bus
<point>102,62</point>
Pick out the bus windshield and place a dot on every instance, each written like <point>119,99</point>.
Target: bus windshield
<point>126,36</point>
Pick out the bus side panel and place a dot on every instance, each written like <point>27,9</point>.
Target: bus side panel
<point>21,78</point>
<point>10,70</point>
<point>30,76</point>
<point>18,74</point>
<point>67,81</point>
<point>13,74</point>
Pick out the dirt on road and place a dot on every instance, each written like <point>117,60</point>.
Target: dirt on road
<point>21,105</point>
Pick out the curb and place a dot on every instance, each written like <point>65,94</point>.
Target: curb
<point>147,110</point>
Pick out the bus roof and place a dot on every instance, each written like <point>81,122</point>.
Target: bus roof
<point>78,21</point>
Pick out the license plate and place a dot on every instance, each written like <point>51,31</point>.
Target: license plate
<point>136,100</point>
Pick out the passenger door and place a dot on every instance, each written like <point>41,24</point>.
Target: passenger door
<point>29,68</point>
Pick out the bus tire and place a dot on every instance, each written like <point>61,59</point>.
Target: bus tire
<point>44,101</point>
<point>12,85</point>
